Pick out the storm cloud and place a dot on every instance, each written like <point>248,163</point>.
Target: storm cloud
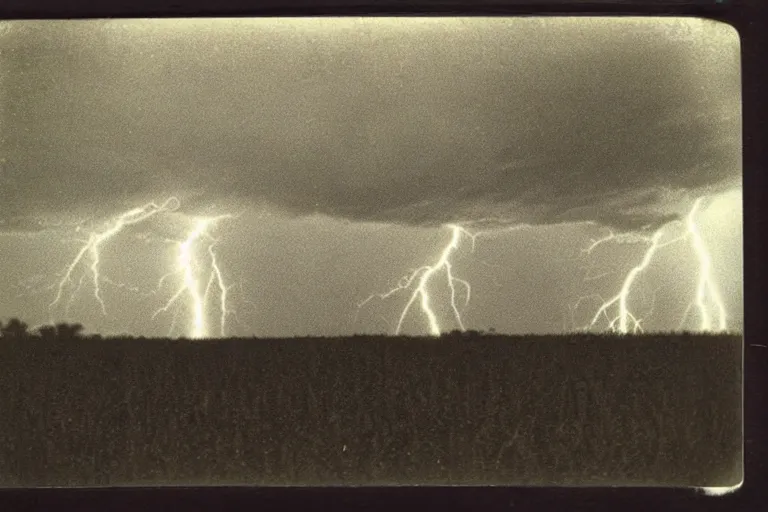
<point>411,121</point>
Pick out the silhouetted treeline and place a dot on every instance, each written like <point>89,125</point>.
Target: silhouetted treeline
<point>17,329</point>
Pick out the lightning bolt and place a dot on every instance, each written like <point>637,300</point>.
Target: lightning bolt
<point>216,273</point>
<point>624,320</point>
<point>706,286</point>
<point>91,249</point>
<point>625,316</point>
<point>422,276</point>
<point>186,265</point>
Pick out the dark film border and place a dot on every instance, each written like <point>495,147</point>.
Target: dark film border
<point>31,9</point>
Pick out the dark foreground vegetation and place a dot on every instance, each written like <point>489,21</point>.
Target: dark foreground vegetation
<point>460,409</point>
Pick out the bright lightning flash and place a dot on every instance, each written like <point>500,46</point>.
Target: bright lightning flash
<point>423,275</point>
<point>621,322</point>
<point>625,320</point>
<point>91,249</point>
<point>186,265</point>
<point>706,284</point>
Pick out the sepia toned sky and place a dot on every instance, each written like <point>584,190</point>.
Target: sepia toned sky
<point>345,147</point>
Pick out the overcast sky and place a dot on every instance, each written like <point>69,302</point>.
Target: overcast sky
<point>345,147</point>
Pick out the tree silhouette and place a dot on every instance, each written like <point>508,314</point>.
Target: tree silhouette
<point>47,332</point>
<point>68,331</point>
<point>15,329</point>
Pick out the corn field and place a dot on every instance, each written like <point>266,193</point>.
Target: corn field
<point>371,410</point>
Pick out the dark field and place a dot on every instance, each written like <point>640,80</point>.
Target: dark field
<point>477,410</point>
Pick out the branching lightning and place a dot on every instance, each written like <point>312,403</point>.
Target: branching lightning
<point>624,321</point>
<point>615,312</point>
<point>216,273</point>
<point>186,268</point>
<point>91,249</point>
<point>624,317</point>
<point>706,287</point>
<point>423,275</point>
<point>200,278</point>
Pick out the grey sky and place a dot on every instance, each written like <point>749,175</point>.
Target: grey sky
<point>408,123</point>
<point>418,122</point>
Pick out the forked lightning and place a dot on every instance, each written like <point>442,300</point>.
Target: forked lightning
<point>615,311</point>
<point>186,267</point>
<point>706,288</point>
<point>424,275</point>
<point>624,321</point>
<point>92,247</point>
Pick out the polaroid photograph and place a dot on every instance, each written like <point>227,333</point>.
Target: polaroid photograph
<point>371,251</point>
